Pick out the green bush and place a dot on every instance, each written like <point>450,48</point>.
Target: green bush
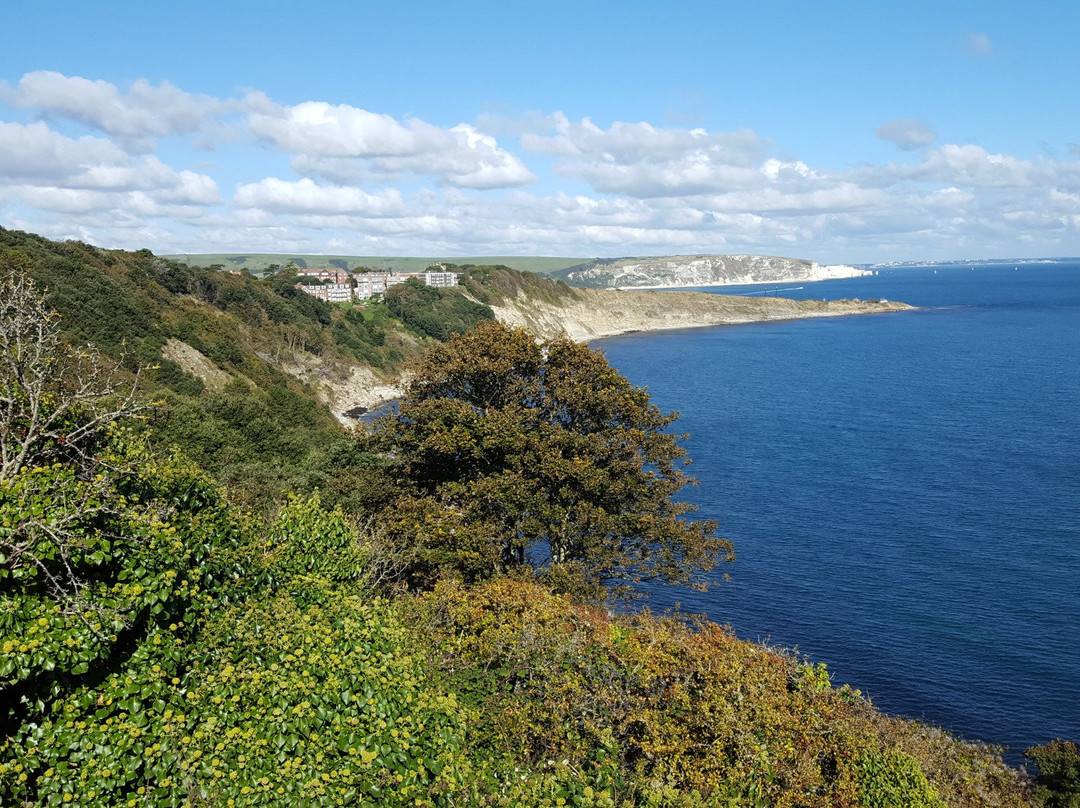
<point>301,692</point>
<point>436,313</point>
<point>1058,784</point>
<point>892,779</point>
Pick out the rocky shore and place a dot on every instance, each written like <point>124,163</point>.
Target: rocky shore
<point>593,314</point>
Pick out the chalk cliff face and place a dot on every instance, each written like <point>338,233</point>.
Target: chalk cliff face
<point>701,270</point>
<point>591,314</point>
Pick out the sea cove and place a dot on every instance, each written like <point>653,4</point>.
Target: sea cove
<point>903,491</point>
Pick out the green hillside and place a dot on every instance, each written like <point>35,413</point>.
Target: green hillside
<point>254,417</point>
<point>258,263</point>
<point>211,594</point>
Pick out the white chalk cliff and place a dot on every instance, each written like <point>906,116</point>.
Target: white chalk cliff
<point>673,271</point>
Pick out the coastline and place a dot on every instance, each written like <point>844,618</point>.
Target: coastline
<point>829,273</point>
<point>592,314</point>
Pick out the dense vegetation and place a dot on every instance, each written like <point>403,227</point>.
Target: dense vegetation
<point>165,645</point>
<point>432,311</point>
<point>256,424</point>
<point>514,454</point>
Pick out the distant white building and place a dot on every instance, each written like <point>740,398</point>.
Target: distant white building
<point>441,279</point>
<point>367,284</point>
<point>330,292</point>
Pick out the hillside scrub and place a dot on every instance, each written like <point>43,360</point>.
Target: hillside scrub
<point>436,313</point>
<point>165,646</point>
<point>645,710</point>
<point>496,282</point>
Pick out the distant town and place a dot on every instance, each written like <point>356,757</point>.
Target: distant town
<point>340,286</point>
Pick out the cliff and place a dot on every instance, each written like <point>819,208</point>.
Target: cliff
<point>592,314</point>
<point>673,271</point>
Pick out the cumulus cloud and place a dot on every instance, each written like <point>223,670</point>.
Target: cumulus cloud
<point>908,134</point>
<point>970,166</point>
<point>370,183</point>
<point>140,115</point>
<point>344,143</point>
<point>304,196</point>
<point>33,154</point>
<point>641,160</point>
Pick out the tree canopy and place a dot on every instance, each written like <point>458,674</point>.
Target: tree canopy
<point>517,453</point>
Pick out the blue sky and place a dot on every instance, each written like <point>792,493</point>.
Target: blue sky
<point>838,131</point>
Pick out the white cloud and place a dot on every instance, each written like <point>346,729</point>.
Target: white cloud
<point>907,133</point>
<point>371,183</point>
<point>304,196</point>
<point>970,166</point>
<point>144,113</point>
<point>33,154</point>
<point>641,160</point>
<point>344,143</point>
<point>979,44</point>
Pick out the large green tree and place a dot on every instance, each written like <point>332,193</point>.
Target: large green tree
<point>518,453</point>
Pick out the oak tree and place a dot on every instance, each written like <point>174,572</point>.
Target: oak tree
<point>517,453</point>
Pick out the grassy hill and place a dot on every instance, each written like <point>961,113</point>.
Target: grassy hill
<point>258,263</point>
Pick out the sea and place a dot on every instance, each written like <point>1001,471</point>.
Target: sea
<point>902,490</point>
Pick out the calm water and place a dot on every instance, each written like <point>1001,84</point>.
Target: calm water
<point>903,490</point>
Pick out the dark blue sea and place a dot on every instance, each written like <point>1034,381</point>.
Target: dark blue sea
<point>903,490</point>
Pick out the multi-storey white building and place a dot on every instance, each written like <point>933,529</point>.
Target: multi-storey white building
<point>367,284</point>
<point>441,279</point>
<point>330,292</point>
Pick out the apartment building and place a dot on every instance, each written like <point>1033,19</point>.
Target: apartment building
<point>338,286</point>
<point>330,292</point>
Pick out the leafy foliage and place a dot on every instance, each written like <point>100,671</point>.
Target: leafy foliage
<point>434,312</point>
<point>892,778</point>
<point>1058,785</point>
<point>640,710</point>
<point>523,453</point>
<point>301,693</point>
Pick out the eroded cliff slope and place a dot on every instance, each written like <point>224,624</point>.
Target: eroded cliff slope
<point>591,314</point>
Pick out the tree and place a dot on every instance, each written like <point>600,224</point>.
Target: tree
<point>518,453</point>
<point>55,400</point>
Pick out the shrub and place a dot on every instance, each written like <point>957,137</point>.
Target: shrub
<point>1058,784</point>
